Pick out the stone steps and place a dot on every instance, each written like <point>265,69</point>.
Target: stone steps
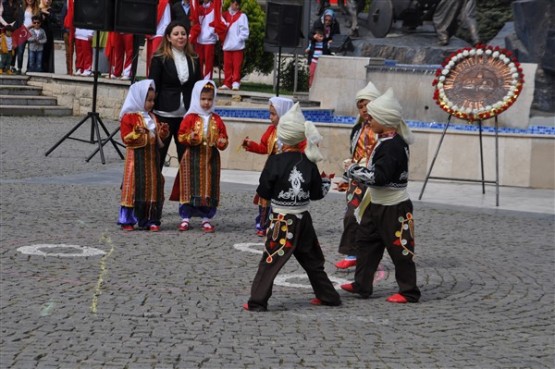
<point>19,99</point>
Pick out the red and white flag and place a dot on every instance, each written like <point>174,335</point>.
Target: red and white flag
<point>20,35</point>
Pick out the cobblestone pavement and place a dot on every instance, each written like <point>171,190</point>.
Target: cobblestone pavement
<point>173,300</point>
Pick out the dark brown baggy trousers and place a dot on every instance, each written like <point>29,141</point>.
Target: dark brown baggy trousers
<point>291,235</point>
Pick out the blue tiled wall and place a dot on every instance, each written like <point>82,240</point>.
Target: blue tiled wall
<point>326,116</point>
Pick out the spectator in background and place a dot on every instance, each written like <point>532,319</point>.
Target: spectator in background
<point>163,19</point>
<point>119,51</point>
<point>68,34</point>
<point>48,19</point>
<point>83,48</point>
<point>6,50</point>
<point>328,23</point>
<point>316,47</point>
<point>181,11</point>
<point>103,67</point>
<point>234,45</point>
<point>11,13</point>
<point>8,14</point>
<point>449,14</point>
<point>36,46</point>
<point>206,40</point>
<point>30,9</point>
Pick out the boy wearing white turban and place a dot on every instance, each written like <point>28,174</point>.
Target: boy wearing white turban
<point>290,180</point>
<point>362,142</point>
<point>387,222</point>
<point>269,145</point>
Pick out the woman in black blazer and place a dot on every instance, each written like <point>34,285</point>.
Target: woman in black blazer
<point>174,69</point>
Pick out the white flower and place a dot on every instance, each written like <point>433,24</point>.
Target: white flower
<point>495,54</point>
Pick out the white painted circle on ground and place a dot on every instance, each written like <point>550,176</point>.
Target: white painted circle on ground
<point>72,250</point>
<point>282,280</point>
<point>247,247</point>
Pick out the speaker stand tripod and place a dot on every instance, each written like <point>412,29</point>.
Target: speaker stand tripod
<point>483,181</point>
<point>136,44</point>
<point>95,121</point>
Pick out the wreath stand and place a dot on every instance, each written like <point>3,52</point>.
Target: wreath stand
<point>483,181</point>
<point>476,84</point>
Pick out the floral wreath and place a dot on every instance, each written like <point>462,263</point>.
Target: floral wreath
<point>478,83</point>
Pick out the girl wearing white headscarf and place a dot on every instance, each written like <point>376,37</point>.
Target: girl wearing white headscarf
<point>269,145</point>
<point>386,221</point>
<point>203,134</point>
<point>142,190</point>
<point>290,180</point>
<point>362,142</point>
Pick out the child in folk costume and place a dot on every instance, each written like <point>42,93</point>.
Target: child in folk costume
<point>234,45</point>
<point>386,220</point>
<point>269,145</point>
<point>290,180</point>
<point>142,191</point>
<point>362,141</point>
<point>197,185</point>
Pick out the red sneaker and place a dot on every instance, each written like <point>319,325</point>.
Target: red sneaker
<point>127,227</point>
<point>397,299</point>
<point>154,228</point>
<point>260,233</point>
<point>348,287</point>
<point>184,226</point>
<point>316,301</point>
<point>208,228</point>
<point>346,263</point>
<point>246,306</point>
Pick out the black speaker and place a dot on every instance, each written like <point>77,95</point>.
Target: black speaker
<point>94,14</point>
<point>283,24</point>
<point>137,16</point>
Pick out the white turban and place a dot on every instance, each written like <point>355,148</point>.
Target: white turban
<point>281,104</point>
<point>293,129</point>
<point>386,109</point>
<point>370,92</point>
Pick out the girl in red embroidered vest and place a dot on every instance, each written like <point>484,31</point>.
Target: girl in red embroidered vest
<point>203,133</point>
<point>142,190</point>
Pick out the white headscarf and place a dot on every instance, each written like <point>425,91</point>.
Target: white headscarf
<point>281,104</point>
<point>293,128</point>
<point>195,107</point>
<point>370,92</point>
<point>386,109</point>
<point>136,97</point>
<point>135,102</point>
